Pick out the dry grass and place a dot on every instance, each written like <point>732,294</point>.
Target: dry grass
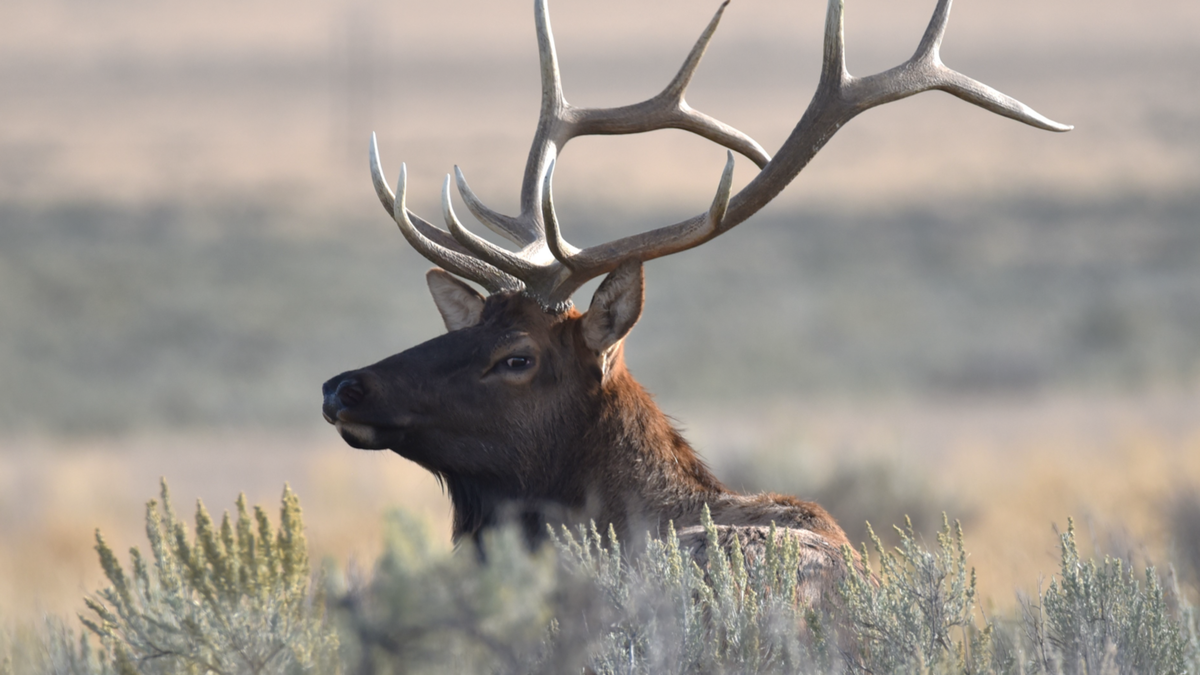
<point>54,494</point>
<point>1012,471</point>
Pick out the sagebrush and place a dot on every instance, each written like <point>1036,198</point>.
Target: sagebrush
<point>234,599</point>
<point>240,598</point>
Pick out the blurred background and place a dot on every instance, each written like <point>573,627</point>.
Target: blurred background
<point>947,311</point>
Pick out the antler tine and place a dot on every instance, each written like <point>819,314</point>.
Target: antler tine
<point>970,90</point>
<point>506,262</point>
<point>519,232</point>
<point>559,248</point>
<point>716,212</point>
<point>840,97</point>
<point>381,187</point>
<point>559,122</point>
<point>552,89</point>
<point>925,71</point>
<point>683,78</point>
<point>388,200</point>
<point>604,258</point>
<point>550,120</point>
<point>833,64</point>
<point>464,266</point>
<point>665,240</point>
<point>669,110</point>
<point>931,40</point>
<point>974,91</point>
<point>550,269</point>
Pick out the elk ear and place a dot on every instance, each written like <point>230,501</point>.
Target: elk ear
<point>616,306</point>
<point>459,304</point>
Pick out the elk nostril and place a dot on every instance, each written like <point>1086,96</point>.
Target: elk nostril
<point>350,392</point>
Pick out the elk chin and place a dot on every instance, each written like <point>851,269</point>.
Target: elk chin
<point>367,437</point>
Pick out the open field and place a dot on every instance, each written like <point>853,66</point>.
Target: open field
<point>1011,472</point>
<point>1006,321</point>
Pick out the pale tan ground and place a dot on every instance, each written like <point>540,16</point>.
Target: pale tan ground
<point>1013,471</point>
<point>1017,470</point>
<point>55,494</point>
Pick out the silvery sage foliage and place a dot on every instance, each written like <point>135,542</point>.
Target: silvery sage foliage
<point>229,600</point>
<point>577,604</point>
<point>51,647</point>
<point>916,615</point>
<point>426,611</point>
<point>1097,617</point>
<point>668,615</point>
<point>584,604</point>
<point>238,598</point>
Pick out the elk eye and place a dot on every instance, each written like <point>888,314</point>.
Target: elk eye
<point>518,362</point>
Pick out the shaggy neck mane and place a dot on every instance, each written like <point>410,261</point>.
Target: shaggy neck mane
<point>631,468</point>
<point>645,444</point>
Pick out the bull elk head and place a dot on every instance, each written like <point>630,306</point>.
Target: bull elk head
<point>525,403</point>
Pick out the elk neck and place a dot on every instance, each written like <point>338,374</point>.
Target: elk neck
<point>618,460</point>
<point>651,473</point>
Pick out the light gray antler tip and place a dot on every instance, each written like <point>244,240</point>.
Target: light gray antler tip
<point>378,180</point>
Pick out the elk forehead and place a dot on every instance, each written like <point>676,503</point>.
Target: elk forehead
<point>515,319</point>
<point>515,307</point>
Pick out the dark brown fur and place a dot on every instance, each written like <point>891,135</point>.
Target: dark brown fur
<point>577,440</point>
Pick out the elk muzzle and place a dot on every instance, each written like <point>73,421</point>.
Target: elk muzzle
<point>348,401</point>
<point>343,392</point>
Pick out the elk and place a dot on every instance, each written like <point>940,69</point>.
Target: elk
<point>525,407</point>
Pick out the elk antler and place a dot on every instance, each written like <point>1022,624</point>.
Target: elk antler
<point>549,269</point>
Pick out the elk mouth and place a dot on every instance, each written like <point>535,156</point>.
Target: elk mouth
<point>368,436</point>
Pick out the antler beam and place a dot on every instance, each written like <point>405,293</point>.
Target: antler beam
<point>550,269</point>
<point>840,97</point>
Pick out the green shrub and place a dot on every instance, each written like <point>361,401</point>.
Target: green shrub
<point>593,609</point>
<point>238,599</point>
<point>917,614</point>
<point>425,612</point>
<point>667,615</point>
<point>52,647</point>
<point>1097,618</point>
<point>583,603</point>
<point>230,600</point>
